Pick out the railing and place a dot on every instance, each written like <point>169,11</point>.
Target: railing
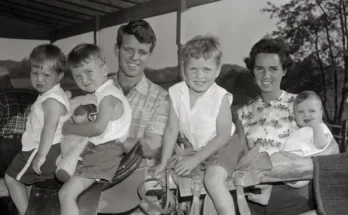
<point>339,132</point>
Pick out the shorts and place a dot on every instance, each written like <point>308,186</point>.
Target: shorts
<point>10,146</point>
<point>227,157</point>
<point>100,161</point>
<point>21,167</point>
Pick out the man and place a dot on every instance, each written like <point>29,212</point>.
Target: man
<point>14,110</point>
<point>149,103</point>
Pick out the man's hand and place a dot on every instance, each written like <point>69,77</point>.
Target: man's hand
<point>185,165</point>
<point>158,169</point>
<point>38,161</point>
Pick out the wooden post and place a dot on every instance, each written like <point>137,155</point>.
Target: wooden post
<point>96,30</point>
<point>343,144</point>
<point>181,7</point>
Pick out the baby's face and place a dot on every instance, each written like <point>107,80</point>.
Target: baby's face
<point>308,110</point>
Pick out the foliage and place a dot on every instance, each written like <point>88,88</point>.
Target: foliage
<point>317,34</point>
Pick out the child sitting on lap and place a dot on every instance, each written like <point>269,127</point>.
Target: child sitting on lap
<point>103,153</point>
<point>312,137</point>
<point>43,134</point>
<point>200,112</point>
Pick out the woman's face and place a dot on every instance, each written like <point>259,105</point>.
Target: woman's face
<point>268,72</point>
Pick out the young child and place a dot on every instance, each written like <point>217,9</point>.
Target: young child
<point>200,112</point>
<point>312,137</point>
<point>107,133</point>
<point>36,161</point>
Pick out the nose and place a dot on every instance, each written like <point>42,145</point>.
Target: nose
<point>135,55</point>
<point>40,78</point>
<point>266,73</point>
<point>200,74</point>
<point>83,79</point>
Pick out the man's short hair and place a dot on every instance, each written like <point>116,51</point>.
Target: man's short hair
<point>84,53</point>
<point>141,30</point>
<point>50,55</point>
<point>202,46</point>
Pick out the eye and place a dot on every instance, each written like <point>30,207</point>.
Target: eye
<point>143,52</point>
<point>127,49</point>
<point>207,69</point>
<point>258,69</point>
<point>47,75</point>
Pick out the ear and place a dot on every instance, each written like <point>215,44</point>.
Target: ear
<point>105,70</point>
<point>285,71</point>
<point>116,50</point>
<point>218,71</point>
<point>60,76</point>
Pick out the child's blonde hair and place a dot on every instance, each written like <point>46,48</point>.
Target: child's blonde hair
<point>202,46</point>
<point>84,53</point>
<point>50,55</point>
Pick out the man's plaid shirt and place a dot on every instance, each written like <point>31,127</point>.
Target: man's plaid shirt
<point>14,110</point>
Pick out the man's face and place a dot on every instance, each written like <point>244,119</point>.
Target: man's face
<point>133,56</point>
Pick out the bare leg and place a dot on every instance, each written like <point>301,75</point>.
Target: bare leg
<point>215,183</point>
<point>18,193</point>
<point>262,198</point>
<point>69,193</point>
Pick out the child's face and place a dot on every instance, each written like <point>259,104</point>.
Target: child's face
<point>90,76</point>
<point>200,73</point>
<point>307,111</point>
<point>43,79</point>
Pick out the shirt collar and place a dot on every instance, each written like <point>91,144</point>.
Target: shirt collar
<point>279,99</point>
<point>103,86</point>
<point>56,87</point>
<point>185,88</point>
<point>142,86</point>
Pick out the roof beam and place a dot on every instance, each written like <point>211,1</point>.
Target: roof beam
<point>29,12</point>
<point>52,9</point>
<point>141,11</point>
<point>106,3</point>
<point>71,7</point>
<point>117,4</point>
<point>39,20</point>
<point>38,11</point>
<point>89,5</point>
<point>16,26</point>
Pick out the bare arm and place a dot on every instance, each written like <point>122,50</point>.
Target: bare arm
<point>319,137</point>
<point>223,132</point>
<point>241,136</point>
<point>108,107</point>
<point>53,110</point>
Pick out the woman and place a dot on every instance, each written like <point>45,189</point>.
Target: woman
<point>268,120</point>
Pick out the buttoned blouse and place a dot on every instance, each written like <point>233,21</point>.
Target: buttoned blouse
<point>198,124</point>
<point>268,123</point>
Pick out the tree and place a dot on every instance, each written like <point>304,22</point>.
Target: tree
<point>317,34</point>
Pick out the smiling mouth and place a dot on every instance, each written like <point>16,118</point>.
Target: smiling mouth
<point>132,65</point>
<point>39,85</point>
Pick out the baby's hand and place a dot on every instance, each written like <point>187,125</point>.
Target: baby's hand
<point>314,122</point>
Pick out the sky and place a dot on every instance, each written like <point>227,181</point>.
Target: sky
<point>237,23</point>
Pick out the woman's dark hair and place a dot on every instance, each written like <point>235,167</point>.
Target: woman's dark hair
<point>140,29</point>
<point>270,46</point>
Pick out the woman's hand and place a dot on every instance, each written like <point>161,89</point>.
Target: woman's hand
<point>185,165</point>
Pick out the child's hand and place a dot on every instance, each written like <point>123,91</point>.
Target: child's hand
<point>37,163</point>
<point>186,165</point>
<point>158,169</point>
<point>66,127</point>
